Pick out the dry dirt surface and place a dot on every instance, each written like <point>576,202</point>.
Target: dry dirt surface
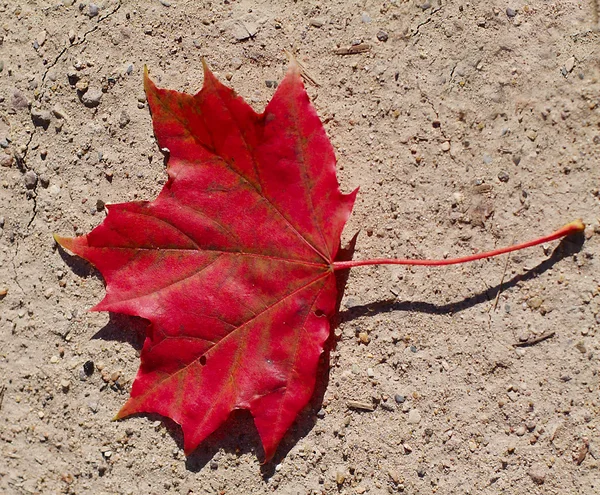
<point>467,125</point>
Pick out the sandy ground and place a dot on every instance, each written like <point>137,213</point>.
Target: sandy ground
<point>467,125</point>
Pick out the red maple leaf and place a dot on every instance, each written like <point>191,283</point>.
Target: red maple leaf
<point>234,263</point>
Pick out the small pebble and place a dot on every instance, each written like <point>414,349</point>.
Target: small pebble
<point>520,431</point>
<point>399,398</point>
<point>340,478</point>
<point>19,101</point>
<point>537,473</point>
<point>82,85</point>
<point>370,372</point>
<point>317,22</point>
<point>58,112</point>
<point>382,36</point>
<point>6,160</point>
<point>321,413</point>
<point>503,176</point>
<point>445,146</point>
<point>123,119</point>
<point>366,18</point>
<point>570,64</point>
<point>91,98</point>
<point>414,417</point>
<point>31,179</point>
<point>214,465</point>
<point>41,38</point>
<point>531,134</point>
<point>510,12</point>
<point>65,385</point>
<point>93,10</point>
<point>88,367</point>
<point>40,118</point>
<point>487,159</point>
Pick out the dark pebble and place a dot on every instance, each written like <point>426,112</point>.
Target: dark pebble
<point>382,36</point>
<point>516,159</point>
<point>413,348</point>
<point>214,465</point>
<point>386,406</point>
<point>31,179</point>
<point>100,205</point>
<point>399,398</point>
<point>503,176</point>
<point>321,413</point>
<point>511,12</point>
<point>271,84</point>
<point>88,367</point>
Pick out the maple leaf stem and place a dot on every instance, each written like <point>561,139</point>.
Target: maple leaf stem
<point>571,228</point>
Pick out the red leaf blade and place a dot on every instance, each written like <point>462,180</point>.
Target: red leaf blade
<point>232,264</point>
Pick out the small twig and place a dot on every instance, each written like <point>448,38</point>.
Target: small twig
<point>303,70</point>
<point>361,406</point>
<point>352,50</point>
<point>502,280</point>
<point>535,340</point>
<point>2,390</point>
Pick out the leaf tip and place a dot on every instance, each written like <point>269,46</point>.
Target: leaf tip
<point>148,84</point>
<point>65,242</point>
<point>209,77</point>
